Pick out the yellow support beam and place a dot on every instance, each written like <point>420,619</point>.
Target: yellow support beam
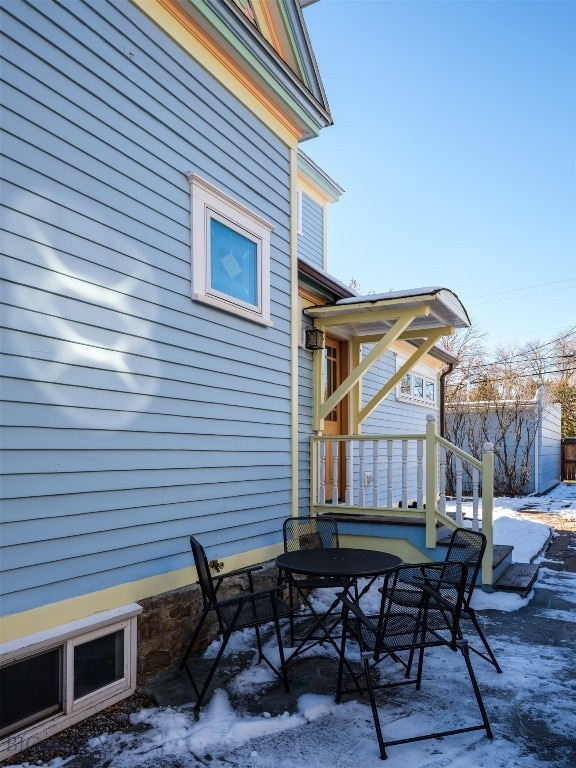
<point>354,377</point>
<point>400,373</point>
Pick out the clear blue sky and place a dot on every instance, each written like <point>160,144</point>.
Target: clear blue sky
<point>454,139</point>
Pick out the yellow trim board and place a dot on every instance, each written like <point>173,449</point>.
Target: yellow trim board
<point>312,191</point>
<point>196,42</point>
<point>17,625</point>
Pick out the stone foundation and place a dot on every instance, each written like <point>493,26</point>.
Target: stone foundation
<point>167,621</point>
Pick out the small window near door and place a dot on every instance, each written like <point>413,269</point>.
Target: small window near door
<point>406,385</point>
<point>417,387</point>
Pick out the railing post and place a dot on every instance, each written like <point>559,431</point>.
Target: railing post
<point>390,470</point>
<point>404,474</point>
<point>375,473</point>
<point>458,471</point>
<point>349,498</point>
<point>431,481</point>
<point>321,472</point>
<point>442,479</point>
<point>487,508</point>
<point>419,474</point>
<point>335,477</point>
<point>475,500</point>
<point>361,470</point>
<point>313,475</point>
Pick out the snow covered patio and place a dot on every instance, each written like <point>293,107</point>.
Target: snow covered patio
<point>251,723</point>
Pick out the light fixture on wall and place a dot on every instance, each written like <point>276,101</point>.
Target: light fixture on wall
<point>314,338</point>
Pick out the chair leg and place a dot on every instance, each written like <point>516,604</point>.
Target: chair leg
<point>200,694</point>
<point>374,709</point>
<point>465,650</point>
<point>281,653</point>
<point>341,657</point>
<point>491,658</point>
<point>194,638</point>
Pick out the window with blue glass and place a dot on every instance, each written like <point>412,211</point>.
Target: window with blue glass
<point>233,263</point>
<point>230,254</point>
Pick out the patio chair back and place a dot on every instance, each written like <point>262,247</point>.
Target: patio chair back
<point>467,547</point>
<point>310,533</point>
<point>204,576</point>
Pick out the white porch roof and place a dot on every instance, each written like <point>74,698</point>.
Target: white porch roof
<point>360,317</point>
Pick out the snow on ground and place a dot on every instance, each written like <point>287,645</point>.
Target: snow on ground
<point>537,687</point>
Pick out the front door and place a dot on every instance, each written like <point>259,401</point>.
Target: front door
<point>336,422</point>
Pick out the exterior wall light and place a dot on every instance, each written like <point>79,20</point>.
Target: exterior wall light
<point>314,338</point>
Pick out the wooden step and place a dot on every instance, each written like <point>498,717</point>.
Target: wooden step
<point>499,551</point>
<point>518,577</point>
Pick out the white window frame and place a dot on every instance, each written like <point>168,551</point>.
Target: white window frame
<point>411,397</point>
<point>207,203</point>
<point>67,637</point>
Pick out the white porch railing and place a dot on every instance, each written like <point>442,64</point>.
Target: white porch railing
<point>388,475</point>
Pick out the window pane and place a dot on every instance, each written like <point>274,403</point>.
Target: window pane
<point>430,391</point>
<point>98,663</point>
<point>419,387</point>
<point>331,366</point>
<point>406,384</point>
<point>30,690</point>
<point>233,263</point>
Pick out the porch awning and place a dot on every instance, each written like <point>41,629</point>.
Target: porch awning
<point>421,314</point>
<point>362,317</point>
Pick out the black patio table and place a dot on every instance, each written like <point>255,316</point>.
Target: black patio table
<point>344,563</point>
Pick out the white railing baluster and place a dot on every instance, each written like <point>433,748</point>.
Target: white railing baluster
<point>442,479</point>
<point>334,472</point>
<point>362,479</point>
<point>349,445</point>
<point>404,474</point>
<point>419,474</point>
<point>459,490</point>
<point>475,484</point>
<point>321,472</point>
<point>390,451</point>
<point>375,472</point>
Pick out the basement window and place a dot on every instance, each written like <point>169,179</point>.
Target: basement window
<point>56,678</point>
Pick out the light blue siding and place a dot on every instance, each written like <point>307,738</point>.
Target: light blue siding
<point>133,416</point>
<point>550,447</point>
<point>393,417</point>
<point>311,241</point>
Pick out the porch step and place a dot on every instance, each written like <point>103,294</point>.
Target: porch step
<point>518,577</point>
<point>501,558</point>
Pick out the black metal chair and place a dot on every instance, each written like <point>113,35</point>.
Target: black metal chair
<point>409,595</point>
<point>310,533</point>
<point>248,609</point>
<point>467,546</point>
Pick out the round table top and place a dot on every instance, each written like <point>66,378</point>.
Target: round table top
<point>343,561</point>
